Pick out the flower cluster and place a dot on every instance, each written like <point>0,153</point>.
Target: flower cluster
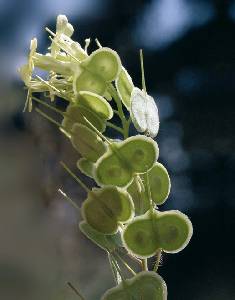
<point>121,214</point>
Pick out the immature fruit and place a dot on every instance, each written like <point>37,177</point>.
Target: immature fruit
<point>96,103</point>
<point>123,160</point>
<point>86,167</point>
<point>144,112</point>
<point>169,231</point>
<point>124,87</point>
<point>159,183</point>
<point>104,62</point>
<point>145,285</point>
<point>106,208</point>
<point>87,142</point>
<point>75,114</point>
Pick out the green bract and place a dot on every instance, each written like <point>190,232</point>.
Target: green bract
<point>105,208</point>
<point>144,112</point>
<point>87,142</point>
<point>159,183</point>
<point>169,231</point>
<point>125,159</point>
<point>145,285</point>
<point>124,87</point>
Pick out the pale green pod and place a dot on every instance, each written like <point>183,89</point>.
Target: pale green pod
<point>144,112</point>
<point>110,170</point>
<point>140,152</point>
<point>139,197</point>
<point>87,142</point>
<point>106,242</point>
<point>124,86</point>
<point>75,114</point>
<point>106,208</point>
<point>175,230</point>
<point>96,104</point>
<point>140,238</point>
<point>86,167</point>
<point>104,62</point>
<point>144,286</point>
<point>159,183</point>
<point>87,81</point>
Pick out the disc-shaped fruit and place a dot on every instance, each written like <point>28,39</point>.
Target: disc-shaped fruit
<point>144,112</point>
<point>75,114</point>
<point>95,103</point>
<point>124,87</point>
<point>175,230</point>
<point>106,208</point>
<point>159,183</point>
<point>87,142</point>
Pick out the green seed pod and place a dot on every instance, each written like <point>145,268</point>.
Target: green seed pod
<point>144,112</point>
<point>75,114</point>
<point>139,237</point>
<point>159,183</point>
<point>87,81</point>
<point>104,62</point>
<point>106,242</point>
<point>175,230</point>
<point>145,285</point>
<point>87,142</point>
<point>110,170</point>
<point>85,166</point>
<point>96,104</point>
<point>118,166</point>
<point>106,208</point>
<point>139,197</point>
<point>124,87</point>
<point>140,151</point>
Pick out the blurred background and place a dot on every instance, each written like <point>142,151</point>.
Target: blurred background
<point>189,50</point>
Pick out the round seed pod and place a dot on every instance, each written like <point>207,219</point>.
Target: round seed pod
<point>145,285</point>
<point>110,170</point>
<point>105,208</point>
<point>105,62</point>
<point>139,197</point>
<point>174,229</point>
<point>124,87</point>
<point>144,112</point>
<point>140,152</point>
<point>87,81</point>
<point>159,183</point>
<point>139,237</point>
<point>87,142</point>
<point>76,114</point>
<point>96,104</point>
<point>86,167</point>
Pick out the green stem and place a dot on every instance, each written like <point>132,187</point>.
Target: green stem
<point>76,291</point>
<point>125,122</point>
<point>111,125</point>
<point>75,177</point>
<point>145,264</point>
<point>142,71</point>
<point>158,259</point>
<point>125,263</point>
<point>69,199</point>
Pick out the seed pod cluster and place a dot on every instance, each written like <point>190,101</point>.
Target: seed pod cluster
<point>121,213</point>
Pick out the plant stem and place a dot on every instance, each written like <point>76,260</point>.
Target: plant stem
<point>125,264</point>
<point>158,259</point>
<point>111,125</point>
<point>145,264</point>
<point>69,199</point>
<point>75,177</point>
<point>75,290</point>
